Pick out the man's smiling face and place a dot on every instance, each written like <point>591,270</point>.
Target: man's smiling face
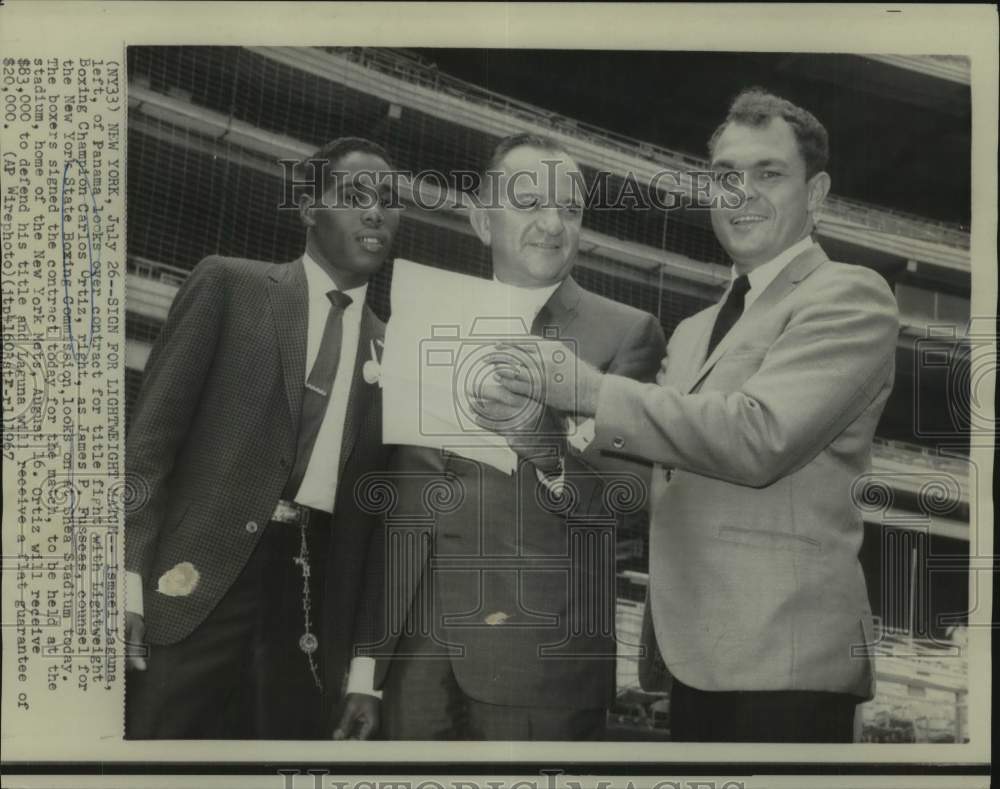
<point>534,232</point>
<point>779,201</point>
<point>351,235</point>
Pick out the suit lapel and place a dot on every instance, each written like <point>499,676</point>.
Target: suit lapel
<point>362,393</point>
<point>290,306</point>
<point>690,364</point>
<point>559,311</point>
<point>783,284</point>
<point>556,316</point>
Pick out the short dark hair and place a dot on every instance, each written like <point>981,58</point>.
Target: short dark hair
<point>756,107</point>
<point>330,154</point>
<point>337,149</point>
<point>522,139</point>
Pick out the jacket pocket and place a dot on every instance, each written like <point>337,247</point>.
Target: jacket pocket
<point>769,539</point>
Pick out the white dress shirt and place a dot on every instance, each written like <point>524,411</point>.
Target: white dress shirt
<point>523,303</point>
<point>319,483</point>
<point>764,274</point>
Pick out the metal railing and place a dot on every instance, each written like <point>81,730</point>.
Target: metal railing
<point>418,72</point>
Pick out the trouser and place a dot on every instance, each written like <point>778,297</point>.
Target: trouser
<point>241,673</point>
<point>423,701</point>
<point>760,716</point>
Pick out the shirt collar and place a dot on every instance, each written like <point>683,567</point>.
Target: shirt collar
<point>764,274</point>
<point>526,302</point>
<point>319,283</point>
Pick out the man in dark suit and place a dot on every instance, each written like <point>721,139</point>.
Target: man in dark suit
<point>252,573</point>
<point>761,422</point>
<point>506,613</point>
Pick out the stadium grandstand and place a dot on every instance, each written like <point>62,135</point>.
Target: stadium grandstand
<point>208,126</point>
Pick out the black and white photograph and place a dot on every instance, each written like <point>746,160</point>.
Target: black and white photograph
<point>754,497</point>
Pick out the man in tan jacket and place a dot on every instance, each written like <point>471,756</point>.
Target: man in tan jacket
<point>761,420</point>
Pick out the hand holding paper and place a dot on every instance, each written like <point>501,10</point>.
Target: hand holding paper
<point>529,429</point>
<point>552,375</point>
<point>438,366</point>
<point>498,409</point>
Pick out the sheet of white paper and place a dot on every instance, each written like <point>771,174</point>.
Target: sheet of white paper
<point>442,325</point>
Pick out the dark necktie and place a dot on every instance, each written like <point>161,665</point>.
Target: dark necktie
<point>729,313</point>
<point>550,426</point>
<point>319,386</point>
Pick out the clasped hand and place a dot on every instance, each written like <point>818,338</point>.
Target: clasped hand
<point>547,372</point>
<point>530,429</point>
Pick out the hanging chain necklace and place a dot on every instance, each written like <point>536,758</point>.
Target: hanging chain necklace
<point>308,643</point>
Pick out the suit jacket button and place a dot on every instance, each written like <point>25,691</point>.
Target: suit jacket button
<point>252,527</point>
<point>618,442</point>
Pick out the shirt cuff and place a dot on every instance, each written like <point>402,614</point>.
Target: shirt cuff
<point>580,433</point>
<point>552,481</point>
<point>361,677</point>
<point>133,593</point>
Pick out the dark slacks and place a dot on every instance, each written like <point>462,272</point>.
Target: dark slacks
<point>760,716</point>
<point>423,701</point>
<point>241,674</point>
